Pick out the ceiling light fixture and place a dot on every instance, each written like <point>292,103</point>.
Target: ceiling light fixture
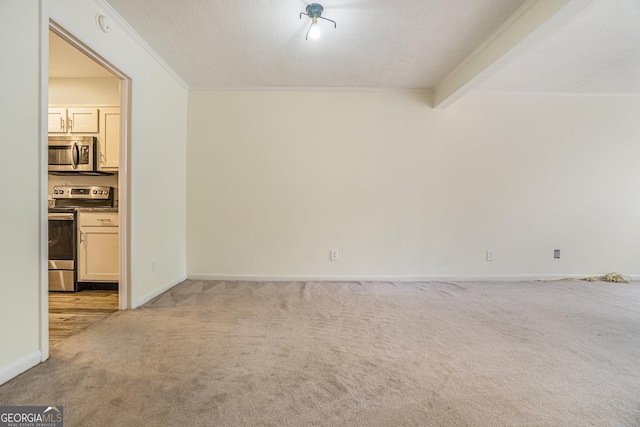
<point>314,11</point>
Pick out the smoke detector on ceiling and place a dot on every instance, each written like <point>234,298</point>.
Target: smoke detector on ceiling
<point>103,22</point>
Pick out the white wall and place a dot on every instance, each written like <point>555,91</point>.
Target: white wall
<point>79,92</point>
<point>157,153</point>
<point>20,221</point>
<point>277,179</point>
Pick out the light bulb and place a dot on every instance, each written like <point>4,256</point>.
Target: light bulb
<point>314,31</point>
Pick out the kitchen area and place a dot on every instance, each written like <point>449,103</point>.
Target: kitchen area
<point>83,165</point>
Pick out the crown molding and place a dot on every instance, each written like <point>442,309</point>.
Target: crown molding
<point>490,92</point>
<point>359,89</point>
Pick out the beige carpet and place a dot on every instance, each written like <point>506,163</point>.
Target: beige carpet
<point>563,353</point>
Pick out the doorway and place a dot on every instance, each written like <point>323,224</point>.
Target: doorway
<point>79,78</point>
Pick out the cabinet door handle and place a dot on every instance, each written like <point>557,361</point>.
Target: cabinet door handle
<point>102,158</point>
<point>106,222</point>
<point>61,123</point>
<point>81,236</point>
<point>70,124</point>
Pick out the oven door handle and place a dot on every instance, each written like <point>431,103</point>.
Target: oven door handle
<point>75,155</point>
<point>60,217</point>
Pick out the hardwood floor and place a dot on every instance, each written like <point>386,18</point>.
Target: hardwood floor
<point>71,312</point>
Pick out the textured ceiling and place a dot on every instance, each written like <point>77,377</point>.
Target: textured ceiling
<point>228,44</point>
<point>411,44</point>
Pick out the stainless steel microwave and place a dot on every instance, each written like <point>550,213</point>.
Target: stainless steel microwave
<point>72,154</point>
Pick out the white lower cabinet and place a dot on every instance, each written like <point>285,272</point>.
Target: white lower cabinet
<point>98,247</point>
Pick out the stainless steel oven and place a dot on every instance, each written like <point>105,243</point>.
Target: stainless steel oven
<point>63,241</point>
<point>62,250</point>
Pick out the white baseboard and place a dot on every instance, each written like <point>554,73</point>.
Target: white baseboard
<point>14,369</point>
<point>151,295</point>
<point>385,278</point>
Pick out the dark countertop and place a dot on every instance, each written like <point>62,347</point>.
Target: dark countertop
<point>96,209</point>
<point>54,208</point>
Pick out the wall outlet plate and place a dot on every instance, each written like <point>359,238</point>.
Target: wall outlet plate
<point>334,254</point>
<point>490,255</point>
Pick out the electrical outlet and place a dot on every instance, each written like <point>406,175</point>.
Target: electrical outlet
<point>154,265</point>
<point>490,255</point>
<point>334,254</point>
<point>556,254</point>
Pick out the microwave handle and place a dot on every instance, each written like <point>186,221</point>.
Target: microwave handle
<point>75,156</point>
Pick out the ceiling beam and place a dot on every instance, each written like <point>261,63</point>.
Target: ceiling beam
<point>531,23</point>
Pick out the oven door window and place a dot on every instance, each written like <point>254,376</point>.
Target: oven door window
<point>61,239</point>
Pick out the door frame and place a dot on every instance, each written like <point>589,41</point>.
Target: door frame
<point>124,170</point>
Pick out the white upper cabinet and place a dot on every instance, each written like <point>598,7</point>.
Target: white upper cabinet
<point>109,139</point>
<point>73,120</point>
<point>57,122</point>
<point>82,120</point>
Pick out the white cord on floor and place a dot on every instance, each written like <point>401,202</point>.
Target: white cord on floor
<point>611,277</point>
